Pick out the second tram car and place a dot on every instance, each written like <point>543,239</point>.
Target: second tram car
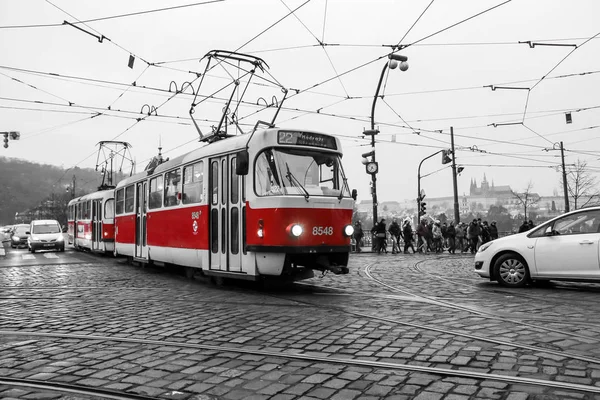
<point>271,203</point>
<point>91,221</point>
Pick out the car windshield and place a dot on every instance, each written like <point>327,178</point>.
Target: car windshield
<point>299,172</point>
<point>21,230</point>
<point>46,228</point>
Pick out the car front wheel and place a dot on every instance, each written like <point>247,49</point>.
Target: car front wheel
<point>511,271</point>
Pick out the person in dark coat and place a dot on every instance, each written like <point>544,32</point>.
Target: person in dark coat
<point>473,233</point>
<point>422,234</point>
<point>524,227</point>
<point>358,235</point>
<point>493,231</point>
<point>530,224</point>
<point>396,233</point>
<point>380,236</point>
<point>407,234</point>
<point>451,235</point>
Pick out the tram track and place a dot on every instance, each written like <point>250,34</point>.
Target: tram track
<point>484,314</point>
<point>72,389</point>
<point>316,358</point>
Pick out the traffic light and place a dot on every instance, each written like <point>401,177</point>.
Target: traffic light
<point>446,156</point>
<point>568,118</point>
<point>14,135</point>
<point>423,209</point>
<point>459,170</point>
<point>6,140</point>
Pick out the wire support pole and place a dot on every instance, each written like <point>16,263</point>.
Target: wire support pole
<point>454,183</point>
<point>564,174</point>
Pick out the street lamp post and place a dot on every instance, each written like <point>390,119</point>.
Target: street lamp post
<point>391,64</point>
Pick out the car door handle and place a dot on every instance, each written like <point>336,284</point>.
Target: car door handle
<point>586,242</point>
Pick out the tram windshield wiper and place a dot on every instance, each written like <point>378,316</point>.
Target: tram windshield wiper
<point>295,182</point>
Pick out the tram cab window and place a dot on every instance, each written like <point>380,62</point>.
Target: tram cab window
<point>156,190</point>
<point>109,209</point>
<point>193,180</point>
<point>299,172</point>
<point>120,201</point>
<point>129,198</point>
<point>172,188</point>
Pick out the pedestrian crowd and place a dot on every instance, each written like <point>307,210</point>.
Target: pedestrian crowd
<point>431,236</point>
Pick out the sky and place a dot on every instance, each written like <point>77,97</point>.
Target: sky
<point>65,90</point>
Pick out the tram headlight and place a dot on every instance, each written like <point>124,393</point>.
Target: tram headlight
<point>348,230</point>
<point>295,230</point>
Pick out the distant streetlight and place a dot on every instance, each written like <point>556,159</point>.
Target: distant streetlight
<point>371,165</point>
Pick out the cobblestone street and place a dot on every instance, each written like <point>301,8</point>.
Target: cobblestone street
<point>396,327</point>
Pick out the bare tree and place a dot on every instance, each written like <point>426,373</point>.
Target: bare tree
<point>581,185</point>
<point>526,198</point>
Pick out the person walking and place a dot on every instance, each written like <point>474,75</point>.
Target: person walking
<point>451,235</point>
<point>493,231</point>
<point>407,234</point>
<point>473,233</point>
<point>437,237</point>
<point>422,233</point>
<point>380,236</point>
<point>395,233</point>
<point>358,235</point>
<point>460,237</point>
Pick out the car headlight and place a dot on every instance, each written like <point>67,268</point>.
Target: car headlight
<point>34,238</point>
<point>60,238</point>
<point>484,247</point>
<point>15,238</point>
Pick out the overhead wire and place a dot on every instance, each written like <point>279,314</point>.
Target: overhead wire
<point>113,16</point>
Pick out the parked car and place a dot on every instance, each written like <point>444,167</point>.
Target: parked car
<point>19,235</point>
<point>565,248</point>
<point>45,234</point>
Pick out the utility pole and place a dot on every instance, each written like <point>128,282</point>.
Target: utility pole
<point>455,187</point>
<point>73,191</point>
<point>564,173</point>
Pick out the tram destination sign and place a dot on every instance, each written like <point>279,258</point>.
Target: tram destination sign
<point>306,139</point>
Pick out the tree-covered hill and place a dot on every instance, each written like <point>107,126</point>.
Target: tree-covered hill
<point>25,185</point>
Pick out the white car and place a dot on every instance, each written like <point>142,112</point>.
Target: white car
<point>564,248</point>
<point>45,234</point>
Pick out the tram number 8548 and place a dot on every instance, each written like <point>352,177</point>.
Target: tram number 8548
<point>322,230</point>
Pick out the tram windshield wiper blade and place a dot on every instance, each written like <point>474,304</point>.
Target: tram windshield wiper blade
<point>295,182</point>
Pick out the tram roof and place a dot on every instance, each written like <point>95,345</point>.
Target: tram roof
<point>264,137</point>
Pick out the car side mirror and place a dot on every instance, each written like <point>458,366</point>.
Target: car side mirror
<point>28,233</point>
<point>354,194</point>
<point>550,232</point>
<point>242,163</point>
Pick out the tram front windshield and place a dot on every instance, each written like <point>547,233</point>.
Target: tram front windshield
<point>283,171</point>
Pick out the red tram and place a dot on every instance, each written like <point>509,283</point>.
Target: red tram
<point>91,221</point>
<point>274,202</point>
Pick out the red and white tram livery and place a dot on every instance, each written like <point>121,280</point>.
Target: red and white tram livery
<point>91,221</point>
<point>271,203</point>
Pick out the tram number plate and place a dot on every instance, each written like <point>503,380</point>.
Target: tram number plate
<point>322,230</point>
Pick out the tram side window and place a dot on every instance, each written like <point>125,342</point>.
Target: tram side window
<point>172,188</point>
<point>193,180</point>
<point>120,201</point>
<point>156,189</point>
<point>109,209</point>
<point>78,208</point>
<point>129,203</point>
<point>86,210</point>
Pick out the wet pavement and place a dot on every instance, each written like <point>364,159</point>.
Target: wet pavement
<point>396,327</point>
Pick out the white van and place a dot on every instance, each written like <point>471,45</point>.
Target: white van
<point>45,234</point>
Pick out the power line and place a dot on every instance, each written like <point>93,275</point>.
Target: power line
<point>112,16</point>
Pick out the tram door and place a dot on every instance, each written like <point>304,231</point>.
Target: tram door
<point>141,250</point>
<point>225,215</point>
<point>96,224</point>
